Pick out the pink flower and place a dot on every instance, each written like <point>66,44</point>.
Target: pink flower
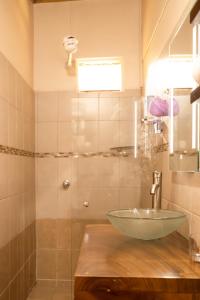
<point>160,107</point>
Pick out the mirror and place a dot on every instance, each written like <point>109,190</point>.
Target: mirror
<point>183,117</point>
<point>169,87</point>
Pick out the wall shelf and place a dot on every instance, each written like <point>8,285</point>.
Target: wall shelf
<point>195,95</point>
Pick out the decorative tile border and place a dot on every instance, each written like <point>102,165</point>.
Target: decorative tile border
<point>161,148</point>
<point>15,151</point>
<point>84,154</point>
<point>122,153</point>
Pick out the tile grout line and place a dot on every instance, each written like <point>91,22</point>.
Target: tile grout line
<point>19,271</point>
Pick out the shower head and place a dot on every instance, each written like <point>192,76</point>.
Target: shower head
<point>70,44</point>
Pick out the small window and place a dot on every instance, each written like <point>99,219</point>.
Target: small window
<point>99,74</point>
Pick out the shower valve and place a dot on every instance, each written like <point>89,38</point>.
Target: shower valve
<point>86,203</point>
<point>66,184</point>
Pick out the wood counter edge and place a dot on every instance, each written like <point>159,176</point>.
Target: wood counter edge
<point>130,284</point>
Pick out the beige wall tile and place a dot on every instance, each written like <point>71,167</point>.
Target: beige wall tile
<point>47,172</point>
<point>19,87</point>
<point>67,136</point>
<point>5,210</point>
<point>29,134</point>
<point>192,179</point>
<point>5,265</point>
<point>106,199</point>
<point>4,77</point>
<point>88,172</point>
<point>56,291</point>
<point>47,137</point>
<point>130,197</point>
<point>44,291</point>
<point>17,287</point>
<point>47,106</point>
<point>195,225</point>
<point>130,172</point>
<point>12,126</point>
<point>16,173</point>
<point>46,234</point>
<point>68,106</point>
<point>181,195</point>
<point>4,173</point>
<point>100,200</point>
<point>46,264</point>
<point>108,135</point>
<point>108,172</point>
<point>5,295</point>
<point>78,227</point>
<point>87,95</point>
<point>184,229</point>
<point>88,109</point>
<point>65,197</point>
<point>17,254</point>
<point>64,236</point>
<point>46,283</point>
<point>63,264</point>
<point>127,109</point>
<point>20,130</point>
<point>29,207</point>
<point>12,86</point>
<point>4,110</point>
<point>87,137</point>
<point>29,173</point>
<point>78,210</point>
<point>17,215</point>
<point>46,202</point>
<point>164,204</point>
<point>63,293</point>
<point>126,131</point>
<point>163,165</point>
<point>67,169</point>
<point>32,272</point>
<point>75,256</point>
<point>108,109</point>
<point>195,200</point>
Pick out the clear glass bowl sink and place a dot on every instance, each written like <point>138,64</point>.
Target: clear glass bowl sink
<point>146,224</point>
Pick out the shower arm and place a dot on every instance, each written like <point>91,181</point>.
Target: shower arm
<point>69,60</point>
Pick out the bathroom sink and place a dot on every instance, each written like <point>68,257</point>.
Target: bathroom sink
<point>146,224</point>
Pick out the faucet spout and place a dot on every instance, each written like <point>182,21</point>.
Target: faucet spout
<point>156,190</point>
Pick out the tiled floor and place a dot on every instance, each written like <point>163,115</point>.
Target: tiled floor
<point>50,293</point>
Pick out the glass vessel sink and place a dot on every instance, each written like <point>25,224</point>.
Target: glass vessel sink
<point>146,224</point>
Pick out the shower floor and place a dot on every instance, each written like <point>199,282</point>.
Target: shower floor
<point>50,293</point>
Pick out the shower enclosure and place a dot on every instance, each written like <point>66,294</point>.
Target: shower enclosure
<point>74,137</point>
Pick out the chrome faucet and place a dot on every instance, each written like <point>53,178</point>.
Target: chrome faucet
<point>156,190</point>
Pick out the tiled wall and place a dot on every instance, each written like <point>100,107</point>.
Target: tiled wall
<point>83,128</point>
<point>181,191</point>
<point>17,185</point>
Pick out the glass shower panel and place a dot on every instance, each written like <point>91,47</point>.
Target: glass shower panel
<point>107,164</point>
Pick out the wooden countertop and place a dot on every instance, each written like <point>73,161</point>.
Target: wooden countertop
<point>111,261</point>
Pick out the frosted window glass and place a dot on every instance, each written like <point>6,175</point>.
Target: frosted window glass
<point>99,75</point>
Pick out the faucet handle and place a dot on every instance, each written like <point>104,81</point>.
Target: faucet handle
<point>157,173</point>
